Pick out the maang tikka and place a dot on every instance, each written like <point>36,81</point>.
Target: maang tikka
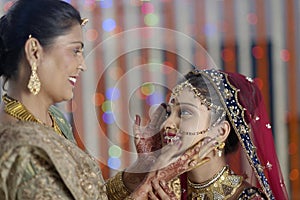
<point>34,84</point>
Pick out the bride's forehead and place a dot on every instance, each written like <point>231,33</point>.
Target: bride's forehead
<point>185,98</point>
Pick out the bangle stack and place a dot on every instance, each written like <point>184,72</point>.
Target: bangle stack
<point>116,190</point>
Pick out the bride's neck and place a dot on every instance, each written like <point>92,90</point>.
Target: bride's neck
<point>207,170</point>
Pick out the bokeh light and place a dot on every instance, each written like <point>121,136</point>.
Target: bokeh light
<point>155,98</point>
<point>293,148</point>
<point>147,89</point>
<point>151,19</point>
<point>258,52</point>
<point>252,18</point>
<point>114,163</point>
<point>108,117</point>
<point>147,8</point>
<point>210,29</point>
<point>259,82</point>
<point>107,106</point>
<point>285,55</point>
<point>115,151</point>
<point>109,25</point>
<point>294,174</point>
<point>112,94</point>
<point>106,3</point>
<point>92,35</point>
<point>98,99</point>
<point>227,55</point>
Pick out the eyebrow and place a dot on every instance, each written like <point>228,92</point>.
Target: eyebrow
<point>184,103</point>
<point>82,45</point>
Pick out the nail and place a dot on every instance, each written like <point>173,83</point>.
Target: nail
<point>162,183</point>
<point>137,120</point>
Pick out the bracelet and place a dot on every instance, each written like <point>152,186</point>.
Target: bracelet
<point>116,190</point>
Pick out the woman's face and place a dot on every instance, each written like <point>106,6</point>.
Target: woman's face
<point>186,113</point>
<point>61,65</point>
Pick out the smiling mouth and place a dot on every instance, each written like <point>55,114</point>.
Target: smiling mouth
<point>72,80</point>
<point>171,137</point>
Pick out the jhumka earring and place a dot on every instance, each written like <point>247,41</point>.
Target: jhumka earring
<point>220,148</point>
<point>34,84</point>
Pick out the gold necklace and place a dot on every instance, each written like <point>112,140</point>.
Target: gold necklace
<point>222,186</point>
<point>17,110</point>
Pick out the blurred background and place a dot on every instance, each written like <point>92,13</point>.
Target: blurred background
<point>137,49</point>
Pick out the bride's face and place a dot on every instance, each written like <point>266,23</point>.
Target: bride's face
<point>187,119</point>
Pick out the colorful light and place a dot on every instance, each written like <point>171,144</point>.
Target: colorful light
<point>108,117</point>
<point>259,82</point>
<point>252,18</point>
<point>109,25</point>
<point>155,98</point>
<point>151,19</point>
<point>147,89</point>
<point>147,8</point>
<point>106,3</point>
<point>257,52</point>
<point>98,99</point>
<point>294,174</point>
<point>285,55</point>
<point>114,163</point>
<point>227,55</point>
<point>106,106</point>
<point>112,94</point>
<point>210,29</point>
<point>115,151</point>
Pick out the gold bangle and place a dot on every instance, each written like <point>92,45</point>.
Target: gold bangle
<point>116,190</point>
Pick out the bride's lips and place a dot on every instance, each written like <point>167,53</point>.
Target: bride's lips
<point>169,137</point>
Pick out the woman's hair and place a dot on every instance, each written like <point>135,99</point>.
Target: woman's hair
<point>42,19</point>
<point>203,85</point>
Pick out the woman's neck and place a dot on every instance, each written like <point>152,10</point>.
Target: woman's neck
<point>34,104</point>
<point>207,170</point>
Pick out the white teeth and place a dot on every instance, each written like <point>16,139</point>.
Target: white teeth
<point>72,79</point>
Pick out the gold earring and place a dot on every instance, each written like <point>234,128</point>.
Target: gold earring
<point>34,84</point>
<point>220,148</point>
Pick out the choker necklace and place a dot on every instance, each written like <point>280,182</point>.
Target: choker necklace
<point>222,186</point>
<point>17,110</point>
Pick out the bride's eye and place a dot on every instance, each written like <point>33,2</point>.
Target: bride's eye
<point>185,113</point>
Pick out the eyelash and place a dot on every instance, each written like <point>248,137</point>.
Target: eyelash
<point>78,51</point>
<point>168,112</point>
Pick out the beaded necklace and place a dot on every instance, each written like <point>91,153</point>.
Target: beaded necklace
<point>222,186</point>
<point>17,110</point>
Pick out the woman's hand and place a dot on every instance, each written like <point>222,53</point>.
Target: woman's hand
<point>148,145</point>
<point>155,180</point>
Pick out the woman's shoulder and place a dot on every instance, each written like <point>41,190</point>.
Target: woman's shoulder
<point>33,148</point>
